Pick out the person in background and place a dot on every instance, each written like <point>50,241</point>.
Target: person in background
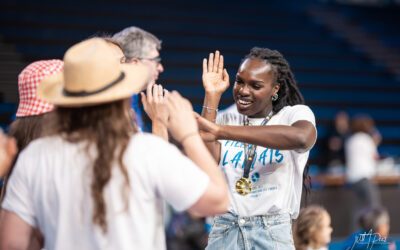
<point>32,111</point>
<point>334,155</point>
<point>140,45</point>
<point>374,230</point>
<point>312,229</point>
<point>362,156</point>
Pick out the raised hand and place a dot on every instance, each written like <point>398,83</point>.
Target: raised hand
<point>215,77</point>
<point>154,103</point>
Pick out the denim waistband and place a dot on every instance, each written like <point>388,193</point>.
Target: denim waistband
<point>266,220</point>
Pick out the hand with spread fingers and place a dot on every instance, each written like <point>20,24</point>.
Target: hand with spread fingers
<point>182,123</point>
<point>8,150</point>
<point>215,77</point>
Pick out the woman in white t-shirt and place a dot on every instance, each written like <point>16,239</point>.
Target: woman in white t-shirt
<point>93,182</point>
<point>263,149</point>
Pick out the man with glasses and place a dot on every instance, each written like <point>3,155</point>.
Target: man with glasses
<point>140,45</point>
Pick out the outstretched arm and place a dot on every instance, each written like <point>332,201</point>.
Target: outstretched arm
<point>215,82</point>
<point>300,136</point>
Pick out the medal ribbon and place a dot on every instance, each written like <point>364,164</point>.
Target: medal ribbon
<point>250,149</point>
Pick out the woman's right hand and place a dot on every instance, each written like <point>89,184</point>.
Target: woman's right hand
<point>215,77</point>
<point>182,122</point>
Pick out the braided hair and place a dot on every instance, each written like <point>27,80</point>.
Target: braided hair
<point>289,94</point>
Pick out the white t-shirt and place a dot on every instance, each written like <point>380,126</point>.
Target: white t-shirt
<point>361,154</point>
<point>50,190</point>
<point>276,175</point>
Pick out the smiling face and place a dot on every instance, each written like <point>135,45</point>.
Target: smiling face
<point>254,87</point>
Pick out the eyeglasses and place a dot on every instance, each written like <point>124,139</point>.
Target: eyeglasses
<point>156,59</point>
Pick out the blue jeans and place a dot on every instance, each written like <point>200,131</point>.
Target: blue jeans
<point>233,232</point>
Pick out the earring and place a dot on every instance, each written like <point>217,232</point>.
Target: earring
<point>274,97</point>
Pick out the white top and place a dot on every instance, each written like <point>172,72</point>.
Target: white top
<point>361,154</point>
<point>276,175</point>
<point>50,190</point>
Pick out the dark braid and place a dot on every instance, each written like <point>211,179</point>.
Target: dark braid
<point>289,94</point>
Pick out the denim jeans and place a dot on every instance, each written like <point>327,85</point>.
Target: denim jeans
<point>232,232</point>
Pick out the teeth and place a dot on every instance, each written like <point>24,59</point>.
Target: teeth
<point>244,102</point>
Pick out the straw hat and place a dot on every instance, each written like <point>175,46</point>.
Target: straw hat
<point>93,75</point>
<point>28,82</point>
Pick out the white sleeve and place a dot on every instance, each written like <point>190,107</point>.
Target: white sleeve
<point>18,198</point>
<point>302,113</point>
<point>178,180</point>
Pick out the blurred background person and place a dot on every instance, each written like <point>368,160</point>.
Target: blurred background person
<point>33,112</point>
<point>140,45</point>
<point>334,155</point>
<point>373,233</point>
<point>312,229</point>
<point>362,157</point>
<point>361,166</point>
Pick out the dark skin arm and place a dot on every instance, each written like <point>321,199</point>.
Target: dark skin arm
<point>301,135</point>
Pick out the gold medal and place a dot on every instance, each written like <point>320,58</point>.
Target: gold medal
<point>243,186</point>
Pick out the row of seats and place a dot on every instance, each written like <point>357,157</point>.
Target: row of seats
<point>332,74</point>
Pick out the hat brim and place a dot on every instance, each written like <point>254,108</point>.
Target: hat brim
<point>136,79</point>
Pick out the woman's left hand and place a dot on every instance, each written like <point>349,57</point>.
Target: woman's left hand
<point>215,77</point>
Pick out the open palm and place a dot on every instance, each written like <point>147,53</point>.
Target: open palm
<point>215,76</point>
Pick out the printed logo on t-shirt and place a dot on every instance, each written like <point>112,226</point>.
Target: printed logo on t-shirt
<point>268,158</point>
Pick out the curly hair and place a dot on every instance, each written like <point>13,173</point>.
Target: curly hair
<point>289,93</point>
<point>109,128</point>
<point>306,226</point>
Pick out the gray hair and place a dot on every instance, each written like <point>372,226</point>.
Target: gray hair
<point>136,42</point>
<point>371,218</point>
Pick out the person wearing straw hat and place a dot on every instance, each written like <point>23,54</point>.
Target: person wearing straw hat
<point>93,182</point>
